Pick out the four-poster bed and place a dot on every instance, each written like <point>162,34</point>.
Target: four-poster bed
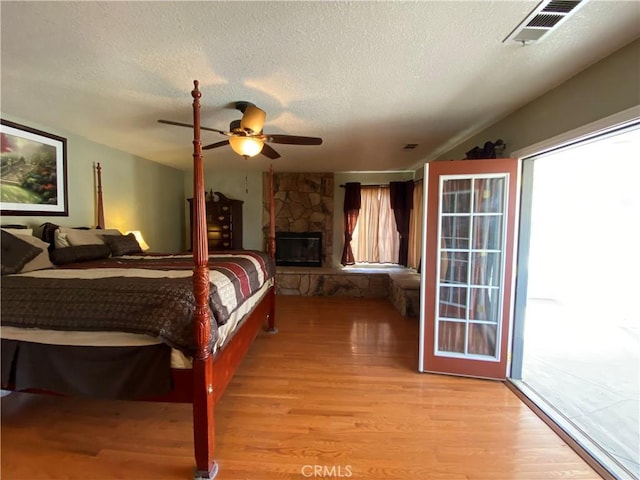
<point>210,366</point>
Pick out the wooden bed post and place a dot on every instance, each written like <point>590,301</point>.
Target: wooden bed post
<point>100,204</point>
<point>272,216</point>
<point>203,394</point>
<point>271,326</point>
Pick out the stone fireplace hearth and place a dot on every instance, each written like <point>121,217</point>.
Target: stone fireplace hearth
<point>303,203</point>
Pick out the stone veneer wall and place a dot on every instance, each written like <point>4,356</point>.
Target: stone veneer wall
<point>303,203</point>
<point>329,282</point>
<point>401,287</point>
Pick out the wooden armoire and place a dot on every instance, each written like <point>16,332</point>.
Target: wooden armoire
<point>224,222</point>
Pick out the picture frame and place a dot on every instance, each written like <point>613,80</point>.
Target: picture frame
<point>33,171</point>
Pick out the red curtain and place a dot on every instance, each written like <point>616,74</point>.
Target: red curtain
<point>402,203</point>
<point>351,211</point>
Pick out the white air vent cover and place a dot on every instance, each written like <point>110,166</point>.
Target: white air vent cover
<point>547,16</point>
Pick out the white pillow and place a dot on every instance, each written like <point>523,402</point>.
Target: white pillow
<point>74,236</point>
<point>60,239</point>
<point>19,231</point>
<point>42,260</point>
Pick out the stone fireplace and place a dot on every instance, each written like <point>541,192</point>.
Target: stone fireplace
<point>303,203</point>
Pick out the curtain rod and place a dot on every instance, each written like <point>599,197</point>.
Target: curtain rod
<point>371,185</point>
<point>383,185</point>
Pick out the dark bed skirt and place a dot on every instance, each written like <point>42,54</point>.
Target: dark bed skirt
<point>125,373</point>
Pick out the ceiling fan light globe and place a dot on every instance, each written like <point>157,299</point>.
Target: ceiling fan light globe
<point>246,146</point>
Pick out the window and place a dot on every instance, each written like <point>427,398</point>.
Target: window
<point>375,237</point>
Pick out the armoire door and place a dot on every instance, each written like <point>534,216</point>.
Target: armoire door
<point>467,278</point>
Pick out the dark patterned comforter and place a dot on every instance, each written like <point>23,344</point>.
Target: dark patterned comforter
<point>146,294</point>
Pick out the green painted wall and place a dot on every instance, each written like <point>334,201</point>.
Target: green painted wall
<point>610,86</point>
<point>138,194</point>
<point>245,186</point>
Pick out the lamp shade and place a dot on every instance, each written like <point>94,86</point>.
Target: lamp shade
<point>253,119</point>
<point>141,242</point>
<point>246,146</point>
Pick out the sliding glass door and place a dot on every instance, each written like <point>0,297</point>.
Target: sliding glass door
<point>576,349</point>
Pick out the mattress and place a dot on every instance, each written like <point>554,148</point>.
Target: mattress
<point>122,339</point>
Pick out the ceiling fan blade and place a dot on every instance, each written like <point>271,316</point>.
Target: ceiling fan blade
<point>269,152</point>
<point>253,119</point>
<point>216,145</point>
<point>179,124</point>
<point>293,139</point>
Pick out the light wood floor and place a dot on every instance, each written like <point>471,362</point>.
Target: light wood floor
<point>336,390</point>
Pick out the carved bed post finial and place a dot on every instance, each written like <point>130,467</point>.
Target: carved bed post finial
<point>99,189</point>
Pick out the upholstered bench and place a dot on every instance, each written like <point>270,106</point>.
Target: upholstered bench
<point>401,287</point>
<point>404,292</point>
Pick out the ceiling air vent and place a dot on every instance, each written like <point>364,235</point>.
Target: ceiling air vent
<point>410,146</point>
<point>547,16</point>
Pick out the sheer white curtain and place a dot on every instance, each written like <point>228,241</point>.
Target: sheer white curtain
<point>415,227</point>
<point>375,238</point>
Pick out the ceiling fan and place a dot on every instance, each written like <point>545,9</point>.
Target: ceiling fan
<point>246,137</point>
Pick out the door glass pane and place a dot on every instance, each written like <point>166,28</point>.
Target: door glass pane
<point>454,267</point>
<point>482,339</point>
<point>488,195</point>
<point>452,337</point>
<point>453,302</point>
<point>470,254</point>
<point>487,232</point>
<point>484,304</point>
<point>456,196</point>
<point>455,232</point>
<point>485,268</point>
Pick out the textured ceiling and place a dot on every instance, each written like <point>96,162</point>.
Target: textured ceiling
<point>367,77</point>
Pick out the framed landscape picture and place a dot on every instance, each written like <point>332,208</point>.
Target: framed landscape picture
<point>33,171</point>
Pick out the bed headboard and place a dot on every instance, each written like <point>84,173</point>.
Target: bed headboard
<point>48,229</point>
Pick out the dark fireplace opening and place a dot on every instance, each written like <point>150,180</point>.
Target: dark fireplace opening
<point>300,249</point>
